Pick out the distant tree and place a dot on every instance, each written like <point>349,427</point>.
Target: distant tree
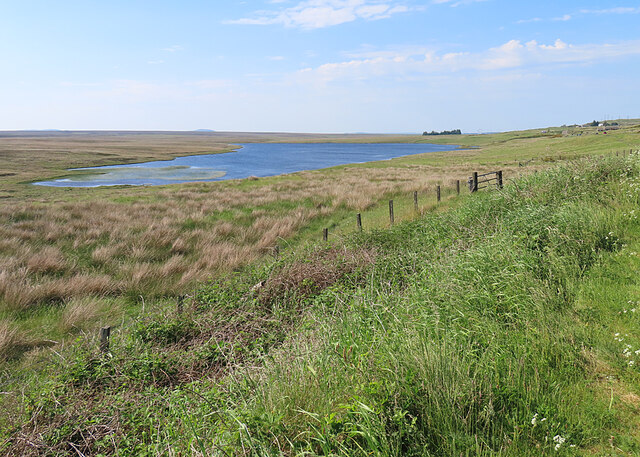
<point>444,132</point>
<point>594,124</point>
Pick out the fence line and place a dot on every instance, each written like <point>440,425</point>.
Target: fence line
<point>476,182</point>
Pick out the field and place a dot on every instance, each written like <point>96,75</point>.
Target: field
<point>74,259</point>
<point>445,283</point>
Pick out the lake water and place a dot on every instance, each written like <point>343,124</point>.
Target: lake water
<point>256,159</point>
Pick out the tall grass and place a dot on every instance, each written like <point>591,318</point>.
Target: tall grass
<point>461,333</point>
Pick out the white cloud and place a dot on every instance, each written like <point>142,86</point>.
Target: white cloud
<point>568,17</point>
<point>617,10</point>
<point>511,55</point>
<point>174,48</point>
<point>314,14</point>
<point>526,21</point>
<point>456,3</point>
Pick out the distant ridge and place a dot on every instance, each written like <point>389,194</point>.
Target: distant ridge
<point>204,130</point>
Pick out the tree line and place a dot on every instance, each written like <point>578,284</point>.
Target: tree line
<point>444,132</point>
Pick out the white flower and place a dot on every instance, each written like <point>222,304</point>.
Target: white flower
<point>534,419</point>
<point>631,363</point>
<point>559,440</point>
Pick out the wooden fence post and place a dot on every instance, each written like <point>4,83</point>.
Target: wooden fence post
<point>391,219</point>
<point>415,201</point>
<point>499,173</point>
<point>276,251</point>
<point>474,184</point>
<point>325,234</point>
<point>105,333</point>
<point>458,186</point>
<point>438,193</point>
<point>359,221</point>
<point>180,304</point>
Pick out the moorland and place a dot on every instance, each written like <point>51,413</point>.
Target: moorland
<point>457,330</point>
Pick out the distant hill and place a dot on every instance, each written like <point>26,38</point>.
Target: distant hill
<point>204,130</point>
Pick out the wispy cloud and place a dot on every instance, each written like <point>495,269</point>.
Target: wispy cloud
<point>527,21</point>
<point>568,17</point>
<point>456,3</point>
<point>511,55</point>
<point>174,48</point>
<point>616,10</point>
<point>315,14</point>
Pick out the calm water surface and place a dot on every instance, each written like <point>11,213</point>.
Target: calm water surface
<point>258,159</point>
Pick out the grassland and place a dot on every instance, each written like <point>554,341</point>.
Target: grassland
<point>72,260</point>
<point>504,323</point>
<point>75,259</point>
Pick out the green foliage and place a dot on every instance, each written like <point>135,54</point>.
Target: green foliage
<point>444,132</point>
<point>482,330</point>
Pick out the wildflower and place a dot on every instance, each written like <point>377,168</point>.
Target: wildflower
<point>559,440</point>
<point>534,420</point>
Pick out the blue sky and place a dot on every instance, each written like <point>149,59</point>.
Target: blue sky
<point>317,65</point>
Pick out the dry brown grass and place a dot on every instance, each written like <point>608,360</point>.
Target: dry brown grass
<point>48,260</point>
<point>168,238</point>
<point>12,340</point>
<point>60,245</point>
<point>80,313</point>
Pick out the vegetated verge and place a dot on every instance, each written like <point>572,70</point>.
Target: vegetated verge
<point>462,333</point>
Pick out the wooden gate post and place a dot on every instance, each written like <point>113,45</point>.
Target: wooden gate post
<point>438,193</point>
<point>391,218</point>
<point>105,333</point>
<point>359,221</point>
<point>180,304</point>
<point>499,173</point>
<point>325,234</point>
<point>415,201</point>
<point>474,184</point>
<point>458,186</point>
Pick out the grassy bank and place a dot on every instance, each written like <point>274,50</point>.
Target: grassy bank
<point>506,325</point>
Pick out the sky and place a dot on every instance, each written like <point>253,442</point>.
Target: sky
<point>331,66</point>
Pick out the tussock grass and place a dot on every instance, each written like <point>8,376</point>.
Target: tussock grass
<point>12,340</point>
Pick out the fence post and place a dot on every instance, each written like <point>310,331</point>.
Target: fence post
<point>359,221</point>
<point>415,201</point>
<point>499,173</point>
<point>180,304</point>
<point>276,251</point>
<point>105,333</point>
<point>474,184</point>
<point>391,219</point>
<point>438,193</point>
<point>325,234</point>
<point>458,186</point>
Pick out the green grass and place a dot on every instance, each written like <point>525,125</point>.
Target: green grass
<point>494,325</point>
